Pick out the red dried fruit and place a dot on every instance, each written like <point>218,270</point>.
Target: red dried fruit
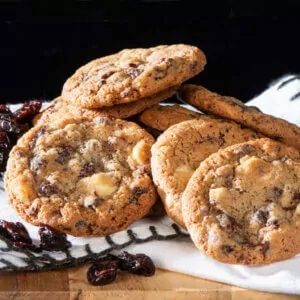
<point>103,273</point>
<point>53,240</point>
<point>28,111</point>
<point>139,264</point>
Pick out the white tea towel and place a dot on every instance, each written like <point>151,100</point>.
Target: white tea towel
<point>164,241</point>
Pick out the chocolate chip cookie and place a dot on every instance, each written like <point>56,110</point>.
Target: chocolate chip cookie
<point>132,74</point>
<point>58,109</point>
<point>178,152</point>
<point>161,117</point>
<point>242,205</point>
<point>82,178</point>
<point>231,108</point>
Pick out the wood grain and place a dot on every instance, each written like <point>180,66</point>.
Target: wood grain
<point>72,284</point>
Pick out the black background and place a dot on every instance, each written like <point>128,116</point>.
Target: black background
<point>248,44</point>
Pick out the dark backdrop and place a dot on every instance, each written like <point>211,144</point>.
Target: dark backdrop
<point>247,44</point>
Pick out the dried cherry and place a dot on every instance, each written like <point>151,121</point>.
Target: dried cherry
<point>139,264</point>
<point>53,240</point>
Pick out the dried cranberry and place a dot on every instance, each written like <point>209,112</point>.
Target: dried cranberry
<point>5,146</point>
<point>139,264</point>
<point>28,111</point>
<point>102,273</point>
<point>4,109</point>
<point>53,240</point>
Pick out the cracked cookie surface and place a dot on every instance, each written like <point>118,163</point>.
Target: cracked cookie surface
<point>242,205</point>
<point>132,74</point>
<point>178,152</point>
<point>82,178</point>
<point>233,109</point>
<point>58,109</point>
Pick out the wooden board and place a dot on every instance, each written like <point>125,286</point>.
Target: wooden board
<point>72,284</point>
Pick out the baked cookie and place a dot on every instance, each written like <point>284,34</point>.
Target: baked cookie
<point>132,74</point>
<point>82,178</point>
<point>242,205</point>
<point>178,152</point>
<point>231,108</point>
<point>161,117</point>
<point>58,109</point>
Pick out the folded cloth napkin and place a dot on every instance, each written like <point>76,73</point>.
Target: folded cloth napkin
<point>165,242</point>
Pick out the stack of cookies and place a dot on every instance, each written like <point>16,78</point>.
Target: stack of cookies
<point>91,164</point>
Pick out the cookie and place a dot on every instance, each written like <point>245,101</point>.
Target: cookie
<point>58,109</point>
<point>132,74</point>
<point>231,108</point>
<point>161,117</point>
<point>178,152</point>
<point>82,178</point>
<point>242,205</point>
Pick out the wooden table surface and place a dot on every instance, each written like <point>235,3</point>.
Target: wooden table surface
<point>72,284</point>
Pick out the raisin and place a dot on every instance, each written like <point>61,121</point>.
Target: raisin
<point>87,170</point>
<point>27,111</point>
<point>139,264</point>
<point>53,240</point>
<point>102,273</point>
<point>83,226</point>
<point>193,66</point>
<point>107,75</point>
<point>226,249</point>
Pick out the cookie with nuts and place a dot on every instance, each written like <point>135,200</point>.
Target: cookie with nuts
<point>132,74</point>
<point>242,205</point>
<point>178,152</point>
<point>82,178</point>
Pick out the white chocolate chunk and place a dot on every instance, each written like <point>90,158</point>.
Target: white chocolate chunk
<point>141,152</point>
<point>184,173</point>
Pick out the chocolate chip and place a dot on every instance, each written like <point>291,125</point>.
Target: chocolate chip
<point>87,170</point>
<point>160,73</point>
<point>134,73</point>
<point>226,222</point>
<point>64,154</point>
<point>260,216</point>
<point>47,189</point>
<point>275,194</point>
<point>275,137</point>
<point>96,203</point>
<point>273,223</point>
<point>265,248</point>
<point>38,134</point>
<point>83,226</point>
<point>296,196</point>
<point>226,249</point>
<point>38,163</point>
<point>244,150</point>
<point>193,66</point>
<point>137,192</point>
